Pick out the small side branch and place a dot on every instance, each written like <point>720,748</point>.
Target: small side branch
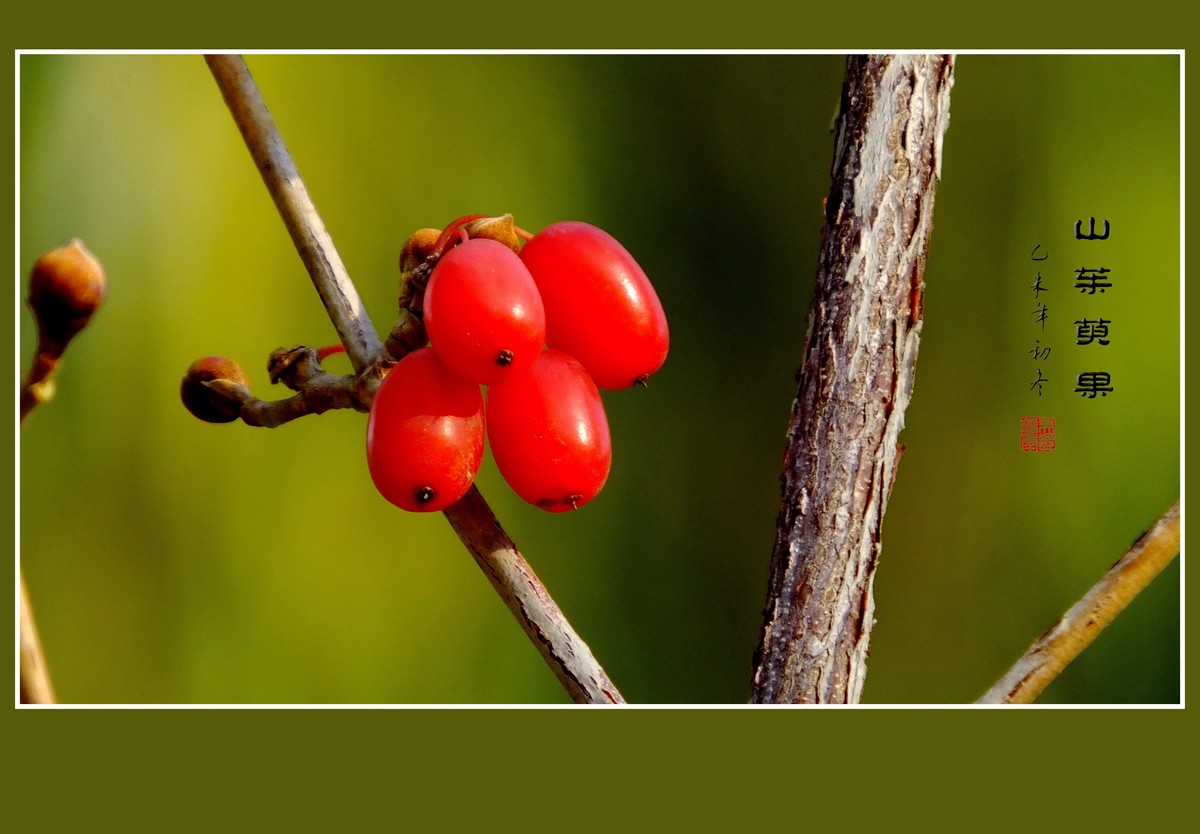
<point>35,679</point>
<point>66,288</point>
<point>855,381</point>
<point>291,197</point>
<point>1054,650</point>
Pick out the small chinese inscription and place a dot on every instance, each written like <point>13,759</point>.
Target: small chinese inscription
<point>1092,331</point>
<point>1040,314</point>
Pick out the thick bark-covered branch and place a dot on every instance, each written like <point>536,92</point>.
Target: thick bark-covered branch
<point>855,381</point>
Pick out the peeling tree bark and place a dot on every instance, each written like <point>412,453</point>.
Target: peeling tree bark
<point>855,381</point>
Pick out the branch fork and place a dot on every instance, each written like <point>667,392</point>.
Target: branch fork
<point>565,653</point>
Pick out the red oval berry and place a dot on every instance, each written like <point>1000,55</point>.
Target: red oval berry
<point>549,433</point>
<point>600,306</point>
<point>483,313</point>
<point>424,434</point>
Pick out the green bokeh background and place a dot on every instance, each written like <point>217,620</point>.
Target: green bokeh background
<point>172,561</point>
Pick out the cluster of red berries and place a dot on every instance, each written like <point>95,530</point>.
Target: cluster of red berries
<point>542,328</point>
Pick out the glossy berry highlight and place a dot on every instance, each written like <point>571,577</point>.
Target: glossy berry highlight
<point>600,306</point>
<point>425,434</point>
<point>483,312</point>
<point>549,433</point>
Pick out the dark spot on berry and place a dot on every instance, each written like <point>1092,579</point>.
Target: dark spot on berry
<point>424,495</point>
<point>505,358</point>
<point>545,503</point>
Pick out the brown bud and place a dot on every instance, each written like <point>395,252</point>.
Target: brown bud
<point>214,389</point>
<point>65,288</point>
<point>415,267</point>
<point>293,367</point>
<point>499,229</point>
<point>417,248</point>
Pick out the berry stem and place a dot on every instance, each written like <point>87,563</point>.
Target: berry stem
<point>453,233</point>
<point>325,352</point>
<point>37,386</point>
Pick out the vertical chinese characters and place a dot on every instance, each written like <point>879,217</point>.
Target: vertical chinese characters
<point>1092,281</point>
<point>1041,312</point>
<point>1037,433</point>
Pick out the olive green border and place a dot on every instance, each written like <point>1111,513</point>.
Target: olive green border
<point>634,769</point>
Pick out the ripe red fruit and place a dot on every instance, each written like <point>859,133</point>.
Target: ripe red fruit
<point>549,433</point>
<point>483,313</point>
<point>424,434</point>
<point>600,306</point>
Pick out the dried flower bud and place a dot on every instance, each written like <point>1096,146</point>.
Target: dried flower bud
<point>65,288</point>
<point>499,229</point>
<point>215,403</point>
<point>417,248</point>
<point>293,367</point>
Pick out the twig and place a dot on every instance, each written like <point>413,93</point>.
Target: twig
<point>1055,649</point>
<point>567,655</point>
<point>37,386</point>
<point>855,381</point>
<point>564,652</point>
<point>66,288</point>
<point>308,231</point>
<point>35,679</point>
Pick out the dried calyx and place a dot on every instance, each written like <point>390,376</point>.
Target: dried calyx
<point>418,257</point>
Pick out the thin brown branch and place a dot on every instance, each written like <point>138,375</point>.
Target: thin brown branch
<point>35,678</point>
<point>66,288</point>
<point>317,390</point>
<point>300,216</point>
<point>855,381</point>
<point>1082,624</point>
<point>566,654</point>
<point>320,395</point>
<point>37,386</point>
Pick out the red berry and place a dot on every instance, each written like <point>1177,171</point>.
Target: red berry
<point>549,433</point>
<point>600,306</point>
<point>424,434</point>
<point>483,313</point>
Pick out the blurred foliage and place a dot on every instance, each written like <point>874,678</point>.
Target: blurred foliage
<point>174,561</point>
